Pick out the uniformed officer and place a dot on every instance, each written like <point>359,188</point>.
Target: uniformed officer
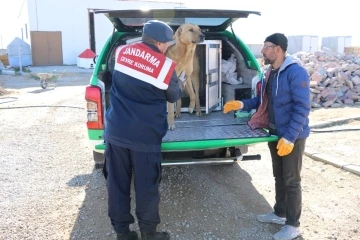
<point>144,79</point>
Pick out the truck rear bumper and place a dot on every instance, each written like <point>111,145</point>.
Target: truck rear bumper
<point>210,161</point>
<point>206,144</point>
<point>100,159</point>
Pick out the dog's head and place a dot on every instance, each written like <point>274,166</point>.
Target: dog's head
<point>189,33</point>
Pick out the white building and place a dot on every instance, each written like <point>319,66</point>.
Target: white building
<point>337,44</point>
<point>59,30</point>
<point>302,43</point>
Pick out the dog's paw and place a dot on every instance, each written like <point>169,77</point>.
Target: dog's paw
<point>178,115</point>
<point>191,107</point>
<point>171,127</point>
<point>198,114</point>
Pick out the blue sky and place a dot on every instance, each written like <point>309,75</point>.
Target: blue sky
<point>305,17</point>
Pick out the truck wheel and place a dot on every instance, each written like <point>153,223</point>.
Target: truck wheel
<point>99,165</point>
<point>99,159</point>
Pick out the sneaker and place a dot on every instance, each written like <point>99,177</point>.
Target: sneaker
<point>128,236</point>
<point>155,236</point>
<point>287,232</point>
<point>271,218</point>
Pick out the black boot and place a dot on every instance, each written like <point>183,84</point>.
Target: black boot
<point>128,236</point>
<point>155,236</point>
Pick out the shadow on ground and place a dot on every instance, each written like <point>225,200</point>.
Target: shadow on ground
<point>197,202</point>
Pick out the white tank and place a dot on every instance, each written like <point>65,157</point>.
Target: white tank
<point>19,52</point>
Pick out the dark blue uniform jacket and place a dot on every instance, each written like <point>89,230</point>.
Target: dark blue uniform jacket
<point>137,116</point>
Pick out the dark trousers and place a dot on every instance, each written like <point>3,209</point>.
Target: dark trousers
<point>286,172</point>
<point>120,164</point>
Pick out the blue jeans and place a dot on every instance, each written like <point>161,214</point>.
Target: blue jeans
<point>286,171</point>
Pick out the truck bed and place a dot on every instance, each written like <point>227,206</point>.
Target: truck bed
<point>213,126</point>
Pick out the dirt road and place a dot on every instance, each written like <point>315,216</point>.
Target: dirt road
<point>49,189</point>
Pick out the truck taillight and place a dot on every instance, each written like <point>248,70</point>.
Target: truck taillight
<point>92,114</point>
<point>94,107</point>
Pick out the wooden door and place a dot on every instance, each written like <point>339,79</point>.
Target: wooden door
<point>46,48</point>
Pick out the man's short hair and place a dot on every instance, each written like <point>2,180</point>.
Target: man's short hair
<point>147,39</point>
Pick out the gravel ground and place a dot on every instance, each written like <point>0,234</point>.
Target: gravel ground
<point>344,141</point>
<point>49,189</point>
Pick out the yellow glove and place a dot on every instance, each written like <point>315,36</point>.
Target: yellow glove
<point>284,147</point>
<point>233,105</point>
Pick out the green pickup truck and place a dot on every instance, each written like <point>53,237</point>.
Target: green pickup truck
<point>214,137</point>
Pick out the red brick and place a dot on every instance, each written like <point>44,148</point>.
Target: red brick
<point>327,91</point>
<point>328,103</point>
<point>339,93</point>
<point>339,101</point>
<point>349,84</point>
<point>313,90</point>
<point>331,97</point>
<point>316,77</point>
<point>331,70</point>
<point>332,65</point>
<point>313,83</point>
<point>356,80</point>
<point>349,101</point>
<point>344,88</point>
<point>315,105</point>
<point>356,97</point>
<point>342,76</point>
<point>357,72</point>
<point>319,87</point>
<point>326,82</point>
<point>350,94</point>
<point>316,100</point>
<point>332,80</point>
<point>336,105</point>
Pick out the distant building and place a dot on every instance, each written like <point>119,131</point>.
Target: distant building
<point>302,43</point>
<point>256,49</point>
<point>336,44</point>
<point>58,31</point>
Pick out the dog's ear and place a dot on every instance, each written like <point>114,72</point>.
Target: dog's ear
<point>178,31</point>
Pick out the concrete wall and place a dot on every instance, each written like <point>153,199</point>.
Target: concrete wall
<point>71,18</point>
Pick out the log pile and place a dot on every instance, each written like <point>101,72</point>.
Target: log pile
<point>334,79</point>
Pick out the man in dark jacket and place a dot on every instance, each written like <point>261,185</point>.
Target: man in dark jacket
<point>283,107</point>
<point>144,79</point>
